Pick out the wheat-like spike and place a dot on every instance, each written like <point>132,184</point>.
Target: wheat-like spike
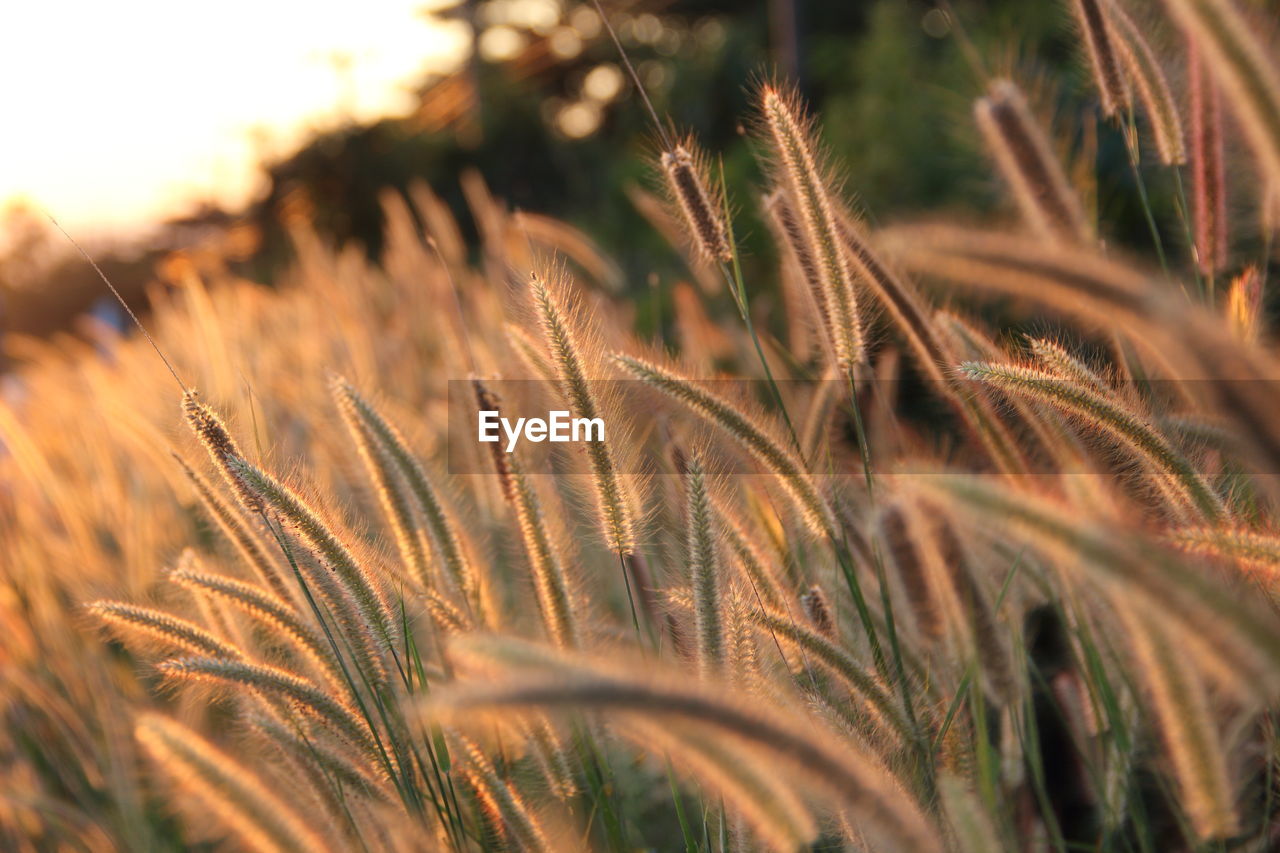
<point>364,616</point>
<point>1242,66</point>
<point>817,610</point>
<point>1191,740</point>
<point>336,766</point>
<point>1055,358</point>
<point>549,579</point>
<point>1096,33</point>
<point>852,778</point>
<point>552,758</point>
<point>442,532</point>
<point>704,571</point>
<point>448,618</point>
<point>1258,550</point>
<point>1122,424</point>
<point>743,779</point>
<point>272,613</point>
<point>753,437</point>
<point>789,136</point>
<point>236,795</point>
<point>1153,88</point>
<point>380,467</point>
<point>1027,164</point>
<point>1208,166</point>
<point>612,503</point>
<point>222,448</point>
<point>758,568</point>
<point>501,798</point>
<point>699,206</point>
<point>303,694</point>
<point>988,635</point>
<point>859,680</point>
<point>904,553</point>
<point>901,300</point>
<point>242,536</point>
<point>789,235</point>
<point>172,630</point>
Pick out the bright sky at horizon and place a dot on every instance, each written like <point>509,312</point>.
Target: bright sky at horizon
<point>118,114</point>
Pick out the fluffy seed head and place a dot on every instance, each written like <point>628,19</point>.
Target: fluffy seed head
<point>687,184</point>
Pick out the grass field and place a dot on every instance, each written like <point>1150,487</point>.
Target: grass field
<point>968,543</point>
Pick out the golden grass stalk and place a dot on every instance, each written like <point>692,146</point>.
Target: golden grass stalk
<point>280,620</point>
<point>338,768</point>
<point>790,137</point>
<point>753,436</point>
<point>530,352</point>
<point>381,470</point>
<point>1245,69</point>
<point>500,799</point>
<point>704,571</point>
<point>272,681</point>
<point>850,777</point>
<point>242,536</point>
<point>1026,161</point>
<point>1258,551</point>
<point>860,681</point>
<point>1180,707</point>
<point>549,579</point>
<point>759,569</point>
<point>239,799</point>
<point>365,619</point>
<point>787,233</point>
<point>911,570</point>
<point>700,208</point>
<point>1152,84</point>
<point>169,629</point>
<point>1099,412</point>
<point>1055,358</point>
<point>221,447</point>
<point>442,531</point>
<point>1100,44</point>
<point>817,610</point>
<point>735,774</point>
<point>612,504</point>
<point>1208,165</point>
<point>552,758</point>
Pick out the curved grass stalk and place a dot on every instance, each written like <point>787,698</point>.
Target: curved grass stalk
<point>1242,67</point>
<point>501,800</point>
<point>380,468</point>
<point>1180,707</point>
<point>278,618</point>
<point>236,795</point>
<point>789,135</point>
<point>612,503</point>
<point>172,630</point>
<point>442,533</point>
<point>549,578</point>
<point>752,436</point>
<point>1027,164</point>
<point>1143,66</point>
<point>242,536</point>
<point>302,694</point>
<point>704,572</point>
<point>849,777</point>
<point>364,617</point>
<point>1106,415</point>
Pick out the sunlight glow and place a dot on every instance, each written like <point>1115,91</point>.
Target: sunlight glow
<point>118,114</point>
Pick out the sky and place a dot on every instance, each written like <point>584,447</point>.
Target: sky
<point>116,114</point>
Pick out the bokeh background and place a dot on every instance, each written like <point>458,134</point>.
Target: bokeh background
<point>147,130</point>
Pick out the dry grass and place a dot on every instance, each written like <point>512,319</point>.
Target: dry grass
<point>1041,617</point>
